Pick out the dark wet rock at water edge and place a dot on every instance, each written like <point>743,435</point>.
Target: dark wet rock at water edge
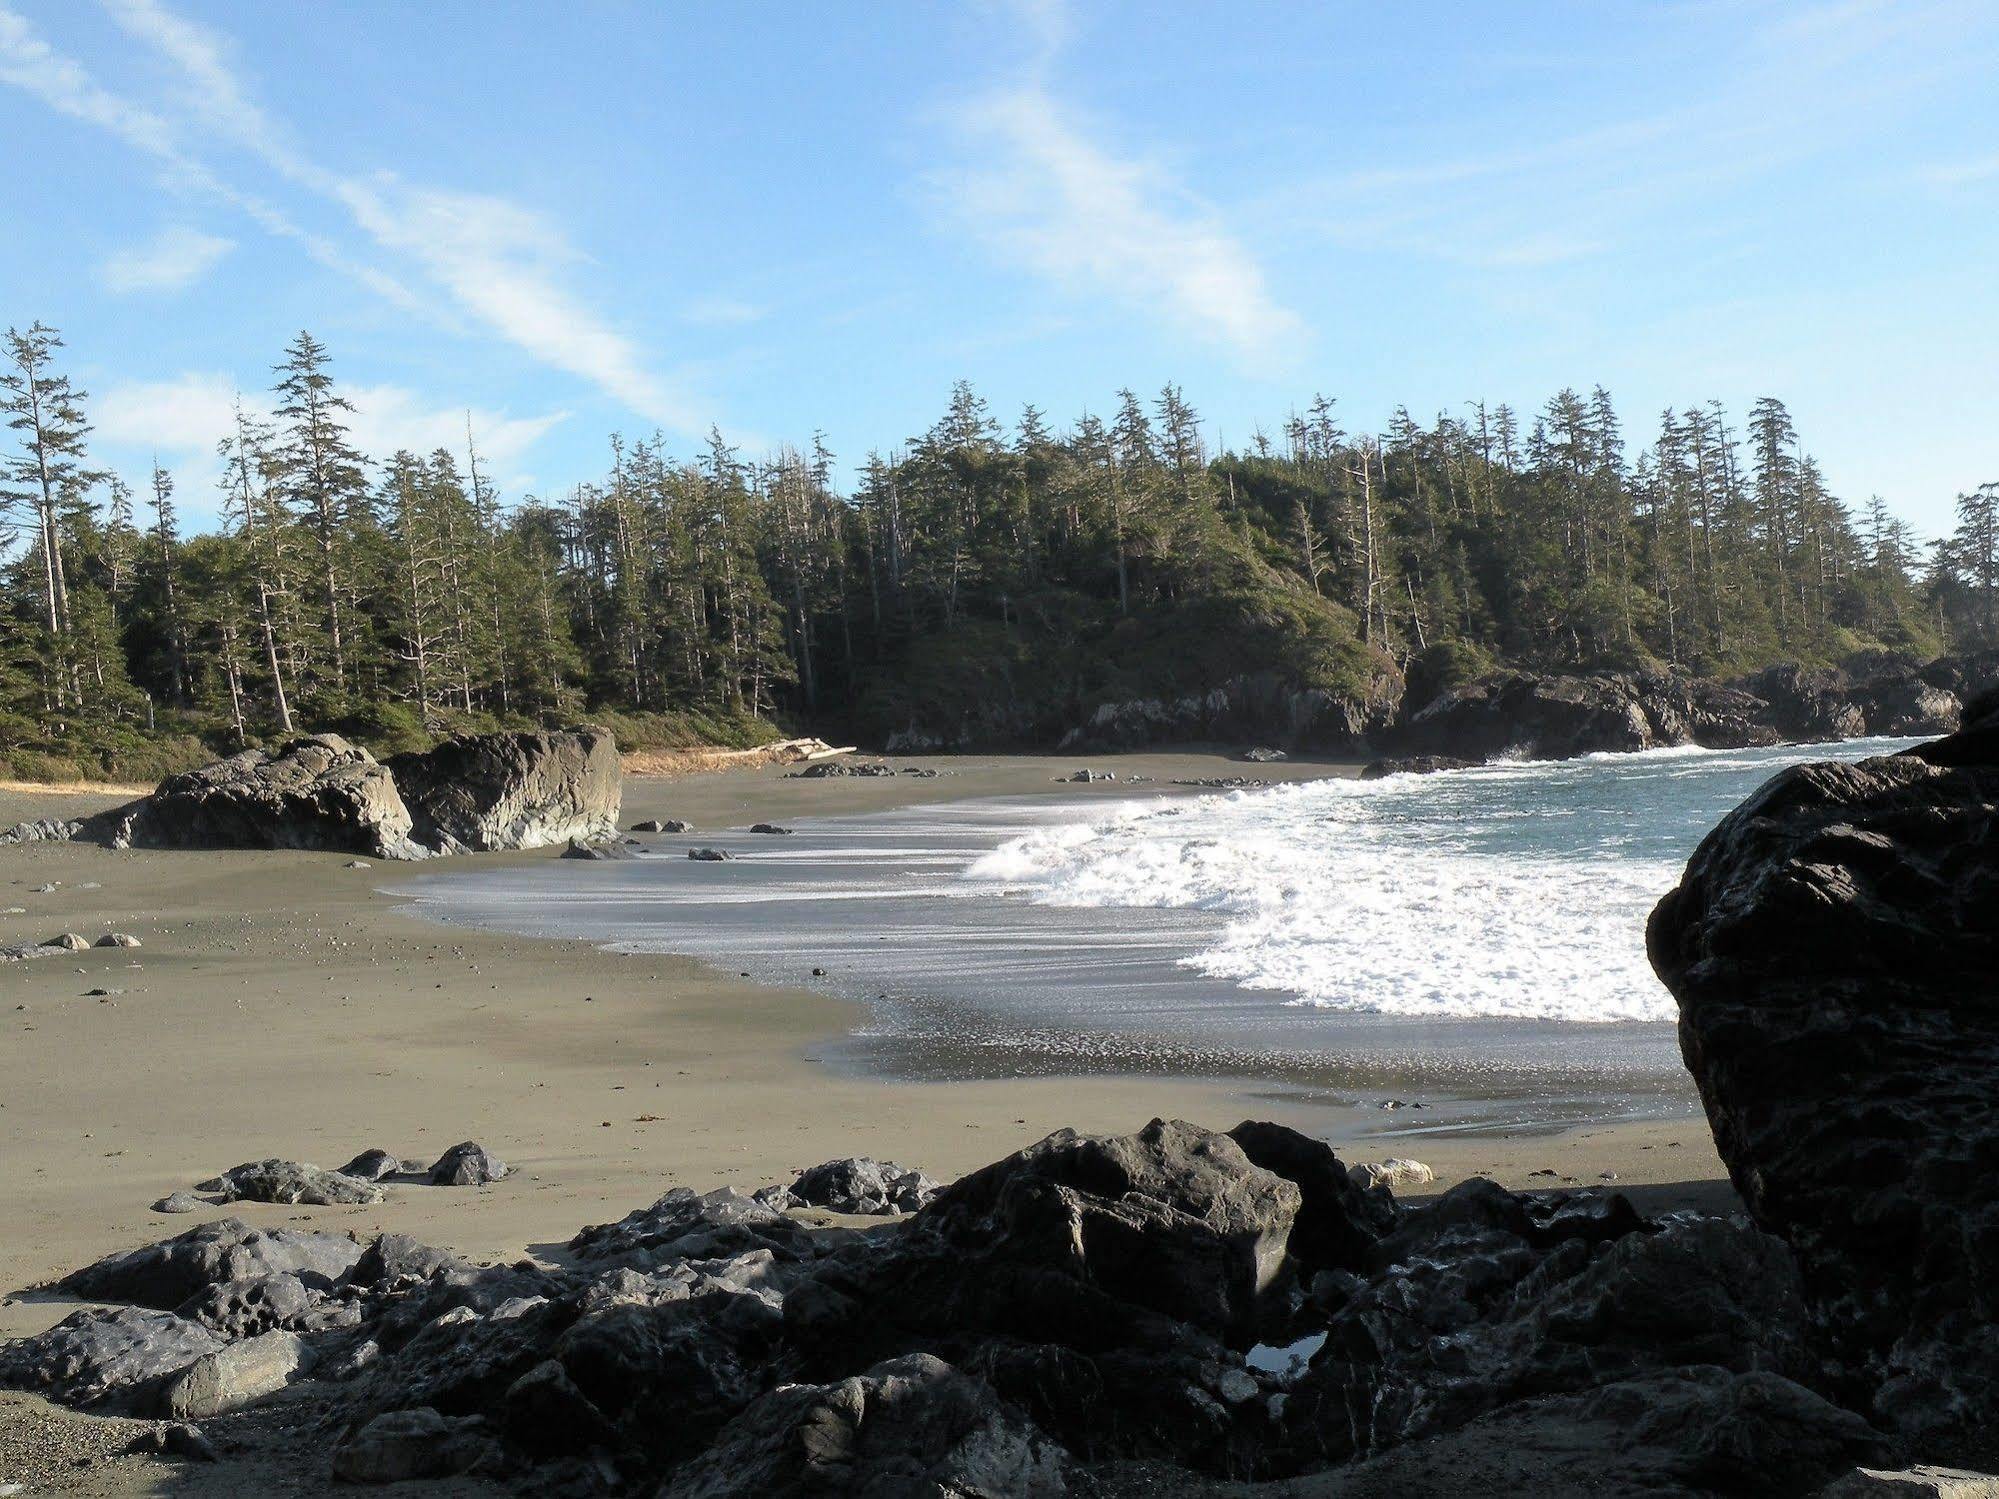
<point>826,769</point>
<point>1414,765</point>
<point>662,825</point>
<point>710,855</point>
<point>770,829</point>
<point>601,851</point>
<point>1833,946</point>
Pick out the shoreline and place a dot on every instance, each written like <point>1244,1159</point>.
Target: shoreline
<point>283,1005</point>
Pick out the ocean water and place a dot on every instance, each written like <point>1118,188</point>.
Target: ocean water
<point>1478,932</point>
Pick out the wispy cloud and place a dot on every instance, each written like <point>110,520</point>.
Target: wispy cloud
<point>497,262</point>
<point>501,263</point>
<point>174,258</point>
<point>1043,192</point>
<point>1044,187</point>
<point>1799,83</point>
<point>183,418</point>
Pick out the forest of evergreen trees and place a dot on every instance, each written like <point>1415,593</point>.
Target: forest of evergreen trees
<point>979,573</point>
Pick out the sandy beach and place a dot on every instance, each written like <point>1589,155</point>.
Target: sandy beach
<point>283,1005</point>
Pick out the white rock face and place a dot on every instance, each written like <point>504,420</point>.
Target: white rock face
<point>483,792</point>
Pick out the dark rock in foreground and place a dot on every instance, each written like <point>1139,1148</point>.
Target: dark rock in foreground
<point>858,1185</point>
<point>912,1426</point>
<point>1150,1313</point>
<point>1834,946</point>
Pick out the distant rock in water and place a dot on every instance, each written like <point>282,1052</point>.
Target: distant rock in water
<point>481,792</point>
<point>600,851</point>
<point>662,825</point>
<point>710,855</point>
<point>1540,717</point>
<point>1414,765</point>
<point>1834,947</point>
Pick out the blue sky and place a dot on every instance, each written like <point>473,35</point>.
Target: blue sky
<point>592,218</point>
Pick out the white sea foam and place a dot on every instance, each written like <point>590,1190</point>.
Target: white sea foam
<point>1517,890</point>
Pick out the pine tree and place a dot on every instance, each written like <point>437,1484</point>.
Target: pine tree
<point>48,474</point>
<point>322,478</point>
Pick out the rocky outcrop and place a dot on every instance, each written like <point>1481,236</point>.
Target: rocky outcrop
<point>481,792</point>
<point>473,793</point>
<point>1414,765</point>
<point>1256,706</point>
<point>1833,945</point>
<point>319,792</point>
<point>1521,715</point>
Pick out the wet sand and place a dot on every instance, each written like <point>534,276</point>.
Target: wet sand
<point>282,1004</point>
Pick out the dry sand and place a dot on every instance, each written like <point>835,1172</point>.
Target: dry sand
<point>282,1005</point>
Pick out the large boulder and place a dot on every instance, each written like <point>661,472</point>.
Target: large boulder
<point>480,792</point>
<point>1833,945</point>
<point>120,1357</point>
<point>1175,1219</point>
<point>319,792</point>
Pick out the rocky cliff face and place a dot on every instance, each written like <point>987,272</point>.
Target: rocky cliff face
<point>1508,714</point>
<point>481,792</point>
<point>1834,946</point>
<point>1257,706</point>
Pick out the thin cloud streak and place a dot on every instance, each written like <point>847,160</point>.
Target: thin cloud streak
<point>1042,193</point>
<point>495,260</point>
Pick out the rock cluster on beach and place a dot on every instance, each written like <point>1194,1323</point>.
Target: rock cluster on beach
<point>474,792</point>
<point>1149,1313</point>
